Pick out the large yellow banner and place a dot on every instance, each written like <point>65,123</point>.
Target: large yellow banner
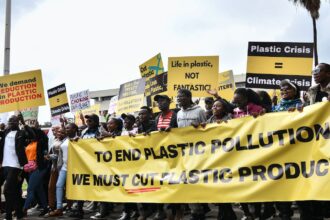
<point>276,157</point>
<point>21,90</point>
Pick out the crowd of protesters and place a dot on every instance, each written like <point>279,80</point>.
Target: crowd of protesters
<point>27,153</point>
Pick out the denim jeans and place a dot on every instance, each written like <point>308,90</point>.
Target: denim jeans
<point>35,186</point>
<point>60,189</point>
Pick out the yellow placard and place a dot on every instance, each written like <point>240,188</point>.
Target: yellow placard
<point>154,83</point>
<point>244,160</point>
<point>60,99</point>
<point>152,67</point>
<point>130,104</point>
<point>94,109</point>
<point>227,85</point>
<point>270,62</point>
<point>21,90</point>
<point>197,74</point>
<point>266,65</point>
<point>131,96</point>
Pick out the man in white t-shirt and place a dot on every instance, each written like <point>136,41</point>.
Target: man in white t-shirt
<point>12,160</point>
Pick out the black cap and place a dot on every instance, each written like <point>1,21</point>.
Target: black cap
<point>129,116</point>
<point>157,97</point>
<point>208,100</point>
<point>93,117</point>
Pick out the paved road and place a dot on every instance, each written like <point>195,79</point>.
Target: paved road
<point>33,215</point>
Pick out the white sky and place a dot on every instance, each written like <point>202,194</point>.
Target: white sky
<point>99,44</point>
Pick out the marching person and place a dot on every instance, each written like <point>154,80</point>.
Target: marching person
<point>93,130</point>
<point>164,121</point>
<point>114,129</point>
<point>190,114</point>
<point>318,93</point>
<point>71,133</point>
<point>12,160</point>
<point>321,91</point>
<point>35,152</point>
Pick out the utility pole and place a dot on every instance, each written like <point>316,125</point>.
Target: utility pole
<point>6,67</point>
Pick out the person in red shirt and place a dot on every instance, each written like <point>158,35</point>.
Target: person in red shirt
<point>166,118</point>
<point>164,121</point>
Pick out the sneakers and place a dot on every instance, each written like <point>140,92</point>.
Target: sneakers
<point>268,212</point>
<point>134,215</point>
<point>43,212</point>
<point>124,216</point>
<point>92,206</point>
<point>98,216</point>
<point>56,213</point>
<point>160,215</point>
<point>144,214</point>
<point>247,217</point>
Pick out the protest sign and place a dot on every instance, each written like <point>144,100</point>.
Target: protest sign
<point>21,90</point>
<point>156,80</point>
<point>152,67</point>
<point>113,105</point>
<point>227,85</point>
<point>131,96</point>
<point>79,101</point>
<point>4,118</point>
<point>244,160</point>
<point>30,113</point>
<point>197,74</point>
<point>94,109</point>
<point>159,87</point>
<point>58,100</point>
<point>270,62</point>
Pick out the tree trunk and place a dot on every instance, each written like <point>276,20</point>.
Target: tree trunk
<point>316,58</point>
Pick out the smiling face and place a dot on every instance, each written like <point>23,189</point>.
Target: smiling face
<point>61,133</point>
<point>287,92</point>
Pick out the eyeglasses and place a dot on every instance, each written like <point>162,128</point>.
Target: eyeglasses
<point>286,89</point>
<point>316,71</point>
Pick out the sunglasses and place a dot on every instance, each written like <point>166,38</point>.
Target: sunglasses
<point>316,71</point>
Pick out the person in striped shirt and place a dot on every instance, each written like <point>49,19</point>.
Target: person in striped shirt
<point>166,119</point>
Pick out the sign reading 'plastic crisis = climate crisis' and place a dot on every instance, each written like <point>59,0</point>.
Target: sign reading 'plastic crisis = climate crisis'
<point>270,62</point>
<point>58,100</point>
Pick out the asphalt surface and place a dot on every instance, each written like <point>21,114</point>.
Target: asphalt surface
<point>116,212</point>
